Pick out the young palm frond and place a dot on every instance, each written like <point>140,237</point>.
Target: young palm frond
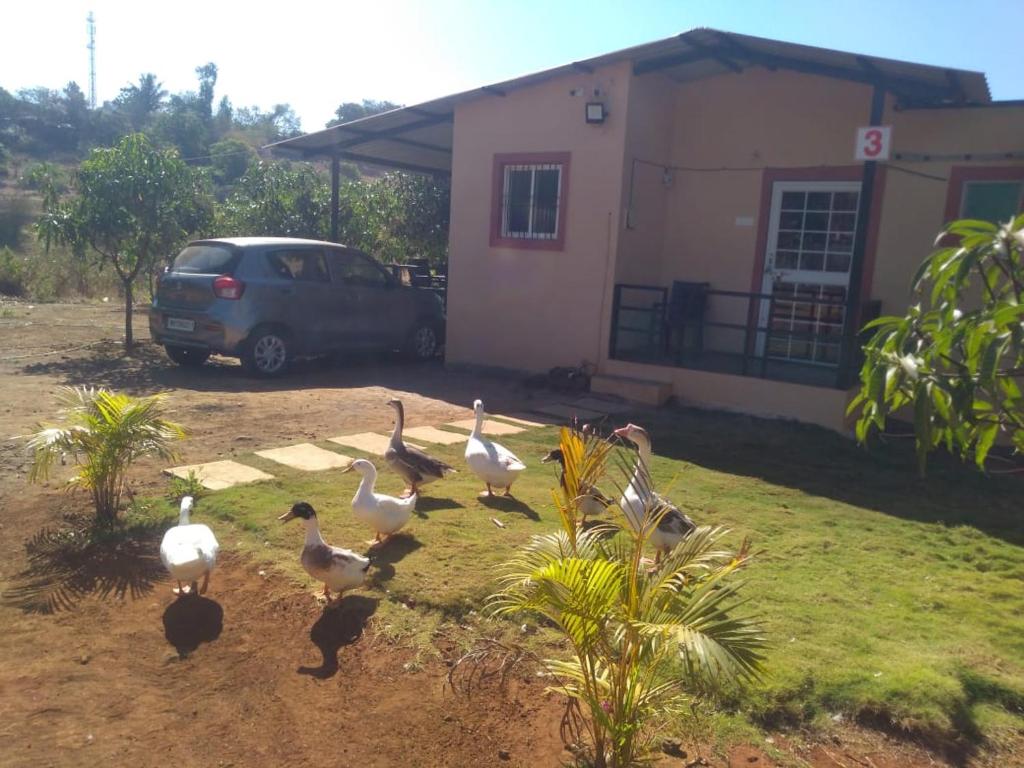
<point>104,433</point>
<point>646,642</point>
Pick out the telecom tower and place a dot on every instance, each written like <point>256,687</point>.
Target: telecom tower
<point>92,60</point>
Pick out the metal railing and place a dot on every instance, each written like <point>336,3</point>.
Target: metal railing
<point>739,333</point>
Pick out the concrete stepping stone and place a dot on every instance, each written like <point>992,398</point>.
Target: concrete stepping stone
<point>528,420</point>
<point>218,475</point>
<point>368,442</point>
<point>568,411</point>
<point>434,435</point>
<point>307,457</point>
<point>490,427</point>
<point>604,406</point>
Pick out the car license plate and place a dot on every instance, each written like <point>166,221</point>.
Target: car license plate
<point>180,324</point>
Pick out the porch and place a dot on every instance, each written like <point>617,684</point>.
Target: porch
<point>795,334</point>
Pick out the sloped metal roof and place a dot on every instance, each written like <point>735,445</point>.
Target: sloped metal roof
<point>419,138</point>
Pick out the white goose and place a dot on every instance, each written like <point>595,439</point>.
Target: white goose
<point>493,463</point>
<point>386,514</point>
<point>188,551</point>
<point>640,497</point>
<point>339,569</point>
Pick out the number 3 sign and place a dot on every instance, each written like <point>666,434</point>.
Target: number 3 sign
<point>874,142</point>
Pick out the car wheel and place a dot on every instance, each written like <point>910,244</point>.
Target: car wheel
<point>267,352</point>
<point>187,356</point>
<point>422,343</point>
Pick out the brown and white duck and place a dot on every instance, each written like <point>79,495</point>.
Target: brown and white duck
<point>339,569</point>
<point>640,498</point>
<point>411,464</point>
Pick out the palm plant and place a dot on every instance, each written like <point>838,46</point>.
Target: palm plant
<point>646,642</point>
<point>104,433</point>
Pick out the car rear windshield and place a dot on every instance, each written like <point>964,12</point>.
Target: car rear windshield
<point>206,260</point>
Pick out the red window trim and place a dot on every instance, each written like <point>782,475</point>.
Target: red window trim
<point>497,185</point>
<point>960,174</point>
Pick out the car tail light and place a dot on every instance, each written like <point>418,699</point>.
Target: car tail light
<point>227,287</point>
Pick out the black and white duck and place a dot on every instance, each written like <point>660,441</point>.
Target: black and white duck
<point>592,501</point>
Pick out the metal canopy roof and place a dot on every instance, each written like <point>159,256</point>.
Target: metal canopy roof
<point>419,138</point>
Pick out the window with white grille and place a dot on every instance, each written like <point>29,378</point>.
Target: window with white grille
<point>530,201</point>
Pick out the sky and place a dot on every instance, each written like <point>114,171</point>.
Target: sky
<point>316,55</point>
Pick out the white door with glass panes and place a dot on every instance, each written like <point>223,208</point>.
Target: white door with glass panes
<point>807,270</point>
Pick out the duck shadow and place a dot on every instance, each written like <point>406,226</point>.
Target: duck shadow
<point>340,624</point>
<point>192,620</point>
<point>384,557</point>
<point>509,504</point>
<point>432,504</point>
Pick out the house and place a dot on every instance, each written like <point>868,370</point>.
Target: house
<point>712,216</point>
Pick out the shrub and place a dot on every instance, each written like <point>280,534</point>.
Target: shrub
<point>104,432</point>
<point>646,643</point>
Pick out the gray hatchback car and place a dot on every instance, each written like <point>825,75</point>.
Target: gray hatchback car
<point>268,300</point>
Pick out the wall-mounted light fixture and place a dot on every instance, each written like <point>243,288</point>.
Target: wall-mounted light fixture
<point>596,112</point>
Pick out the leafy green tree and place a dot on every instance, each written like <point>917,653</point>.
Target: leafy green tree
<point>134,203</point>
<point>141,102</point>
<point>955,361</point>
<point>207,75</point>
<point>104,433</point>
<point>277,199</point>
<point>352,110</point>
<point>230,159</point>
<point>645,643</point>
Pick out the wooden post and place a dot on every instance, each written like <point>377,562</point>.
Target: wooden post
<point>851,321</point>
<point>335,180</point>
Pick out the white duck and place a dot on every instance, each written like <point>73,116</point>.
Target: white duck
<point>188,551</point>
<point>640,498</point>
<point>493,463</point>
<point>339,569</point>
<point>386,514</point>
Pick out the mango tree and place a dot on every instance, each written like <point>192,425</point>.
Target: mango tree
<point>133,204</point>
<point>954,363</point>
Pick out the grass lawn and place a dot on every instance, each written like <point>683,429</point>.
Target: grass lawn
<point>885,597</point>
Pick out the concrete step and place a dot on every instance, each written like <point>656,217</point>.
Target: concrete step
<point>636,390</point>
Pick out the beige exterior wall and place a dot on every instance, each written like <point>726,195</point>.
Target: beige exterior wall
<point>745,394</point>
<point>534,309</point>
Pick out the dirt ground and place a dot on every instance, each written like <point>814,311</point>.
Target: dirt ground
<point>255,674</point>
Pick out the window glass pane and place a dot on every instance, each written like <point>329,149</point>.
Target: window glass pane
<point>356,269</point>
<point>545,200</point>
<point>814,241</point>
<point>791,220</point>
<point>837,262</point>
<point>817,221</point>
<point>793,201</point>
<point>206,260</point>
<point>305,265</point>
<point>785,260</point>
<point>812,260</point>
<point>843,222</point>
<point>517,200</point>
<point>996,201</point>
<point>790,240</point>
<point>845,201</point>
<point>819,201</point>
